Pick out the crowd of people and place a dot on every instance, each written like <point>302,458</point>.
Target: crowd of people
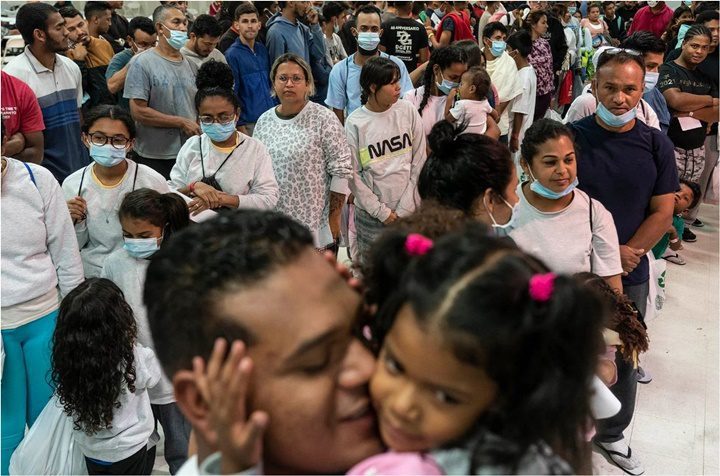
<point>502,175</point>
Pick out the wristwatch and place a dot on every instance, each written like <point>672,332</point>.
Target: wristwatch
<point>691,114</point>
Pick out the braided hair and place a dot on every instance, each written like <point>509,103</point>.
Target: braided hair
<point>444,57</point>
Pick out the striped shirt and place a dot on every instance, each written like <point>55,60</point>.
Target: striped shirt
<point>59,93</point>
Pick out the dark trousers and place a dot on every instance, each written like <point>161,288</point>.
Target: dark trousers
<point>163,167</point>
<point>176,429</point>
<point>611,429</point>
<point>542,103</point>
<point>141,462</point>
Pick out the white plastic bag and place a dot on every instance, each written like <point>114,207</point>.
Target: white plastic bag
<point>656,296</point>
<point>49,447</point>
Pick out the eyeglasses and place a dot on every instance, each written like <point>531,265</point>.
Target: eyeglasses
<point>118,142</point>
<point>221,119</point>
<point>296,79</point>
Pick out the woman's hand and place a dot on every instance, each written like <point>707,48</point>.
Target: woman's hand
<point>212,197</point>
<point>224,388</point>
<point>78,209</point>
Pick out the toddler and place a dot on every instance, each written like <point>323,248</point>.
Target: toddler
<point>468,103</point>
<point>685,198</point>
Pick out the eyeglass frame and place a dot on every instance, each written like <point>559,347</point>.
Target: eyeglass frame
<point>291,79</point>
<point>107,139</point>
<point>216,120</point>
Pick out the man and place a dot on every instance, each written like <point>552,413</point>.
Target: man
<point>455,24</point>
<point>653,50</point>
<point>297,318</point>
<point>118,28</point>
<point>250,65</point>
<point>160,85</point>
<point>654,17</point>
<point>333,18</point>
<point>204,37</point>
<point>344,91</point>
<point>346,35</point>
<point>615,23</point>
<point>90,51</point>
<point>287,34</point>
<point>503,73</point>
<point>23,120</point>
<point>630,168</point>
<point>405,38</point>
<point>711,68</point>
<point>56,81</point>
<point>141,37</point>
<point>627,10</point>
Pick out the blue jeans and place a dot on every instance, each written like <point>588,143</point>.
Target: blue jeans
<point>26,382</point>
<point>177,434</point>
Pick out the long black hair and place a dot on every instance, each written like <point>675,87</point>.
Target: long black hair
<point>378,72</point>
<point>541,353</point>
<point>92,356</point>
<point>444,57</point>
<point>165,210</point>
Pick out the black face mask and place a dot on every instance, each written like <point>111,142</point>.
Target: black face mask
<point>212,182</point>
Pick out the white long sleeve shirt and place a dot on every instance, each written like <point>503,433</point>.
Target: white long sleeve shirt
<point>388,153</point>
<point>38,247</point>
<point>101,233</point>
<point>248,172</point>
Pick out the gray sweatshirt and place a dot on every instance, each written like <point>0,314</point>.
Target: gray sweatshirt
<point>38,247</point>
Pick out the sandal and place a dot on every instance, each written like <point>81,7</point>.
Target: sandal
<point>624,461</point>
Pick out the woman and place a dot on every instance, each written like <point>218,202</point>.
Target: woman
<point>689,92</point>
<point>309,151</point>
<point>444,70</point>
<point>388,151</point>
<point>40,264</point>
<point>682,15</point>
<point>471,173</point>
<point>94,193</point>
<point>223,167</point>
<point>596,26</point>
<point>541,60</point>
<point>556,221</point>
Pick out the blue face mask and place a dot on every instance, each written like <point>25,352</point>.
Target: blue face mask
<point>545,192</point>
<point>572,10</point>
<point>218,132</point>
<point>497,48</point>
<point>141,248</point>
<point>502,230</point>
<point>611,119</point>
<point>368,41</point>
<point>446,85</point>
<point>106,155</point>
<point>651,79</point>
<point>439,13</point>
<point>177,38</point>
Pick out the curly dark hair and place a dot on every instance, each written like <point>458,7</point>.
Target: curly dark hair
<point>624,316</point>
<point>444,57</point>
<point>92,356</point>
<point>474,290</point>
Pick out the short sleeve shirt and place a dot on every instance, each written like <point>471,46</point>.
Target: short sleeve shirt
<point>118,62</point>
<point>404,38</point>
<point>624,171</point>
<point>20,108</point>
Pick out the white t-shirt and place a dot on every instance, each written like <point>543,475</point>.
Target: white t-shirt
<point>565,240</point>
<point>473,112</point>
<point>434,110</point>
<point>525,102</point>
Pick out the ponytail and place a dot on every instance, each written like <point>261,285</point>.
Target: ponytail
<point>165,210</point>
<point>444,57</point>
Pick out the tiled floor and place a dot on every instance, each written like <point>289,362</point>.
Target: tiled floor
<point>675,428</point>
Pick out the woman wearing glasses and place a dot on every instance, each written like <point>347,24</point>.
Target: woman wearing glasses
<point>223,167</point>
<point>310,154</point>
<point>94,193</point>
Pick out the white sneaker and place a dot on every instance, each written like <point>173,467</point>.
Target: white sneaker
<point>621,454</point>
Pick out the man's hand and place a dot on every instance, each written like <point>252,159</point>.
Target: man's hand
<point>514,143</point>
<point>630,258</point>
<point>312,16</point>
<point>224,387</point>
<point>190,128</point>
<point>78,209</point>
<point>80,52</point>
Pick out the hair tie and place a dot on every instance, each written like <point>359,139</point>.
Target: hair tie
<point>417,244</point>
<point>541,287</point>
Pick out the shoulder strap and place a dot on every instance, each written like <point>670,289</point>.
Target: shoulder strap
<point>137,166</point>
<point>228,156</point>
<point>32,176</point>
<point>592,230</point>
<point>82,180</point>
<point>202,164</point>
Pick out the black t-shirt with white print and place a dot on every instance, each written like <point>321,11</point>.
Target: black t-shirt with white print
<point>404,38</point>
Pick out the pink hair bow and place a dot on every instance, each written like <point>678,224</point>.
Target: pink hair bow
<point>541,287</point>
<point>417,244</point>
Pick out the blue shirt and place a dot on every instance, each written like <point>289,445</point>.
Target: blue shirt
<point>344,88</point>
<point>657,101</point>
<point>118,62</point>
<point>252,79</point>
<point>624,171</point>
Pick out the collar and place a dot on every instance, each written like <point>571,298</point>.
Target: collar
<point>36,65</point>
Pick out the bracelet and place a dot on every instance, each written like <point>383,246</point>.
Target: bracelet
<point>191,187</point>
<point>675,240</point>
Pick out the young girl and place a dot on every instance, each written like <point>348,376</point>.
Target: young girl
<point>596,25</point>
<point>148,219</point>
<point>387,142</point>
<point>102,376</point>
<point>554,220</point>
<point>223,167</point>
<point>472,108</point>
<point>94,193</point>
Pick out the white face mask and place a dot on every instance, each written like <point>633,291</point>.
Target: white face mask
<point>501,230</point>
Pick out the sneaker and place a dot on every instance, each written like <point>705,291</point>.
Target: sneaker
<point>689,236</point>
<point>674,258</point>
<point>621,454</point>
<point>698,223</point>
<point>643,376</point>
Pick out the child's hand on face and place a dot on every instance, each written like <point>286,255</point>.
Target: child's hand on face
<point>223,386</point>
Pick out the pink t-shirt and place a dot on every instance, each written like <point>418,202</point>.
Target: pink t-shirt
<point>20,108</point>
<point>392,463</point>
